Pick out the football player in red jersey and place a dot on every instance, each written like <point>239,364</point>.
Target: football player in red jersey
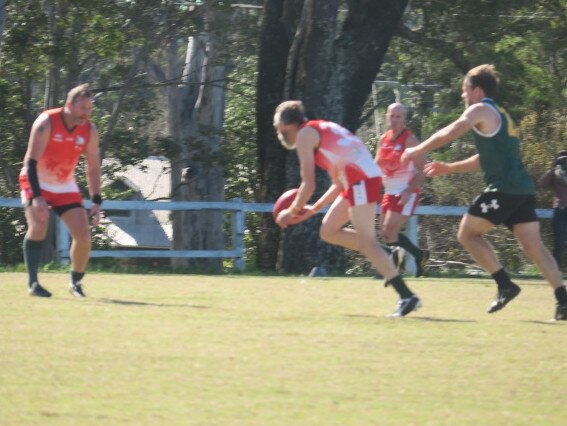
<point>57,140</point>
<point>356,183</point>
<point>401,183</point>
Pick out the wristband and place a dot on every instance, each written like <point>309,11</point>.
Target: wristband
<point>97,199</point>
<point>33,179</point>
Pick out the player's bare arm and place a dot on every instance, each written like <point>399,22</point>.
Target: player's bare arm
<point>327,198</point>
<point>92,157</point>
<point>419,176</point>
<point>306,142</point>
<point>310,210</point>
<point>377,156</point>
<point>440,168</point>
<point>39,138</point>
<point>472,116</point>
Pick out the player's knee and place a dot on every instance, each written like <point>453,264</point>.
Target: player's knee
<point>463,237</point>
<point>37,230</point>
<point>326,233</point>
<point>39,223</point>
<point>83,238</point>
<point>467,239</point>
<point>532,247</point>
<point>36,234</point>
<point>388,235</point>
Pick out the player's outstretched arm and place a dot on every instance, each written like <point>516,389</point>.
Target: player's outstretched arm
<point>39,138</point>
<point>327,198</point>
<point>470,117</point>
<point>440,168</point>
<point>419,163</point>
<point>310,210</point>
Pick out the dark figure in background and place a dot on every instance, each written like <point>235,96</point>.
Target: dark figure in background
<point>556,180</point>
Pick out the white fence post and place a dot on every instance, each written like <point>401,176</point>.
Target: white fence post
<point>62,242</point>
<point>411,233</point>
<point>238,235</point>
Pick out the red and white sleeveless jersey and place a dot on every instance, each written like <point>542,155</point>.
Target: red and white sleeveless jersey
<point>342,154</point>
<point>56,167</point>
<point>396,177</point>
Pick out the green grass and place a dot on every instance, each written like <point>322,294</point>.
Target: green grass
<point>241,350</point>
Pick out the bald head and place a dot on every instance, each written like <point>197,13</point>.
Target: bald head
<point>397,106</point>
<point>396,116</point>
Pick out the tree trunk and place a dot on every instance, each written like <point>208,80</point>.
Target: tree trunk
<point>331,67</point>
<point>3,15</point>
<point>140,56</point>
<point>52,79</point>
<point>74,66</point>
<point>276,37</point>
<point>51,100</point>
<point>197,175</point>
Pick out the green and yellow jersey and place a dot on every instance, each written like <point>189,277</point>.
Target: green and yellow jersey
<point>500,158</point>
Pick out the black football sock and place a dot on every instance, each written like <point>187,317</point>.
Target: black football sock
<point>561,295</point>
<point>32,258</point>
<point>76,276</point>
<point>400,286</point>
<point>405,243</point>
<point>502,279</point>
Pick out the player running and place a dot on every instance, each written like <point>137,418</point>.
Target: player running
<point>401,183</point>
<point>355,189</point>
<point>509,197</point>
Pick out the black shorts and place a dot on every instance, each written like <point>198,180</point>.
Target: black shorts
<point>508,209</point>
<point>59,210</point>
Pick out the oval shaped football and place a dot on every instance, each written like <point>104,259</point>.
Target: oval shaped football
<point>284,201</point>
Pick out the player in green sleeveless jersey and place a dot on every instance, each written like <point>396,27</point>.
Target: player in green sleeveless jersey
<point>508,198</point>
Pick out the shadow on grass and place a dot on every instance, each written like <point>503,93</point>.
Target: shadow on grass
<point>432,319</point>
<point>548,322</point>
<point>159,305</point>
<point>416,318</point>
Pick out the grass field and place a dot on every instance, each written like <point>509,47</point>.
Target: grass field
<point>241,350</point>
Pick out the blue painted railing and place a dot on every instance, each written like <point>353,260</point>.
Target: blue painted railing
<point>238,209</point>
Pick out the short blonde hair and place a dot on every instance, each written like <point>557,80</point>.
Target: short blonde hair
<point>486,77</point>
<point>289,112</point>
<point>82,91</point>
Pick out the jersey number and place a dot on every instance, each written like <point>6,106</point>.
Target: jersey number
<point>512,129</point>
